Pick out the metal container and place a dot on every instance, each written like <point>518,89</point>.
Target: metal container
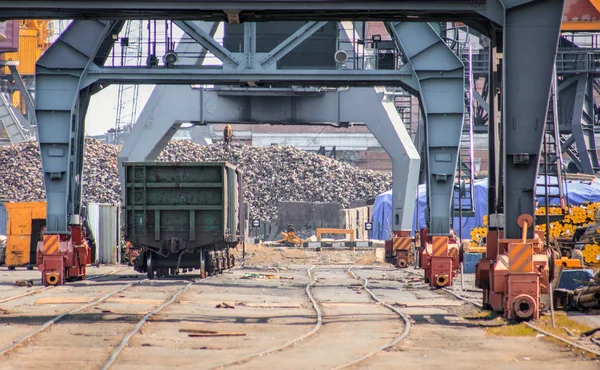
<point>33,38</point>
<point>470,261</point>
<point>183,215</point>
<point>194,202</point>
<point>10,41</point>
<point>25,223</point>
<point>103,220</point>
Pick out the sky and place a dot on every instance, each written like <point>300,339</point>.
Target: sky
<point>102,111</point>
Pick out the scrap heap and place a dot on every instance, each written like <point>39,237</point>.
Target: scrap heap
<point>271,174</point>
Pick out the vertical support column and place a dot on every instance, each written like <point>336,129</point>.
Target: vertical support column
<point>531,34</point>
<point>250,44</point>
<point>60,112</point>
<point>440,75</point>
<point>495,174</point>
<point>385,124</point>
<point>582,123</point>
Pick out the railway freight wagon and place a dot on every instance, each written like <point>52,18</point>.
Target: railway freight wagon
<point>183,216</point>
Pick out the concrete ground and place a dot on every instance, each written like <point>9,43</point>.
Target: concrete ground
<point>243,313</point>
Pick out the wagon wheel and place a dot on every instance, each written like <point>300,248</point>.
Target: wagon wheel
<point>226,261</point>
<point>149,267</point>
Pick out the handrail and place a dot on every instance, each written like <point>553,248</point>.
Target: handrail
<point>568,61</point>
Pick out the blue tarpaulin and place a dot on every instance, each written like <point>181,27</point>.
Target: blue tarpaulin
<point>576,192</point>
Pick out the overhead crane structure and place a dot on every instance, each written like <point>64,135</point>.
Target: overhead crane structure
<point>524,37</point>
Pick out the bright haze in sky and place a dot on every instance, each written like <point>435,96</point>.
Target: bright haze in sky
<point>102,111</point>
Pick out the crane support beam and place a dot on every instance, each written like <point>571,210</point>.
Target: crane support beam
<point>440,75</point>
<point>205,39</point>
<point>531,33</point>
<point>291,42</point>
<point>239,11</point>
<point>576,99</point>
<point>344,106</point>
<point>214,75</point>
<point>60,105</point>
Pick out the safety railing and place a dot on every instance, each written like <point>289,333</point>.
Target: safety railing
<point>568,61</point>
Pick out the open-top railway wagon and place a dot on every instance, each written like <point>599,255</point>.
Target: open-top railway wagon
<point>183,216</point>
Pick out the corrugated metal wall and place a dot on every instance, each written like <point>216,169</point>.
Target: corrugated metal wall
<point>3,219</point>
<point>104,222</point>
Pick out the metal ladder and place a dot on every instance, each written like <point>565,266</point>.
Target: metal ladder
<point>403,104</point>
<point>464,195</point>
<point>550,159</point>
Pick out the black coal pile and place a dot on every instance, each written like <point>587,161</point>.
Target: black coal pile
<point>271,174</point>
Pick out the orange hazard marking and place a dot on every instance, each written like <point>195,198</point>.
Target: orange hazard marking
<point>439,247</point>
<point>51,243</point>
<point>402,244</point>
<point>520,257</point>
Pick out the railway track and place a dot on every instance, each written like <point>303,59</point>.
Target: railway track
<point>20,341</point>
<point>532,326</point>
<point>316,303</point>
<point>396,340</point>
<point>314,330</point>
<point>31,292</point>
<point>113,356</point>
<point>42,289</point>
<point>72,313</point>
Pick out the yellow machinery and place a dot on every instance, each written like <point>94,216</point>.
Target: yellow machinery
<point>33,41</point>
<point>290,237</point>
<point>569,263</point>
<point>24,228</point>
<point>34,37</point>
<point>349,232</point>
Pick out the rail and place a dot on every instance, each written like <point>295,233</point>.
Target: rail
<point>290,343</point>
<point>126,339</point>
<point>396,340</point>
<point>557,337</point>
<point>39,290</point>
<point>52,321</point>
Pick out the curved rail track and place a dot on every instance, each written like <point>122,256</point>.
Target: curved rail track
<point>290,343</point>
<point>319,322</point>
<point>138,326</point>
<point>396,340</point>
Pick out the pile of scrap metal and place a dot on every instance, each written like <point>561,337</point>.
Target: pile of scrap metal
<point>588,298</point>
<point>571,282</point>
<point>290,238</point>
